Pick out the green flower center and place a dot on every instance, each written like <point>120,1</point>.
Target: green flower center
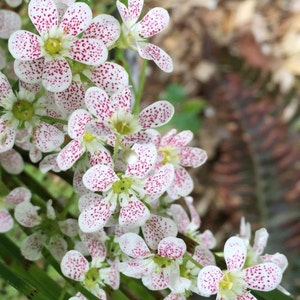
<point>91,277</point>
<point>23,110</point>
<point>53,45</point>
<point>232,285</point>
<point>88,137</point>
<point>124,123</point>
<point>162,262</point>
<point>122,186</point>
<point>170,155</point>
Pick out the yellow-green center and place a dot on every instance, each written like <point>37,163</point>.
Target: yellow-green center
<point>53,45</point>
<point>232,285</point>
<point>88,137</point>
<point>23,110</point>
<point>227,282</point>
<point>122,186</point>
<point>91,277</point>
<point>162,262</point>
<point>170,155</point>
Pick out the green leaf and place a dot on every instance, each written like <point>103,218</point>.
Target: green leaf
<point>272,295</point>
<point>175,93</point>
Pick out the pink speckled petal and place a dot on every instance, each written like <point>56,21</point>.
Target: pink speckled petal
<point>134,213</point>
<point>146,158</point>
<point>160,181</point>
<point>70,99</point>
<point>30,71</point>
<point>57,246</point>
<point>195,218</point>
<point>88,51</point>
<point>111,77</point>
<point>99,178</point>
<point>171,247</point>
<point>207,239</point>
<point>49,163</point>
<point>5,88</point>
<point>235,252</point>
<point>47,137</point>
<point>77,123</point>
<point>57,75</point>
<point>156,228</point>
<point>131,14</point>
<point>203,256</point>
<point>156,114</point>
<point>78,185</point>
<point>177,140</point>
<point>18,195</point>
<point>69,155</point>
<point>182,184</point>
<point>135,268</point>
<point>7,136</point>
<point>208,280</point>
<point>31,87</point>
<point>104,27</point>
<point>25,45</point>
<point>94,243</point>
<point>10,21</point>
<point>31,248</point>
<point>74,265</point>
<point>157,280</point>
<point>263,277</point>
<point>260,241</point>
<point>88,199</point>
<point>26,214</point>
<point>43,14</point>
<point>111,276</point>
<point>122,100</point>
<point>102,156</point>
<point>156,20</point>
<point>133,245</point>
<point>6,221</point>
<point>192,157</point>
<point>98,103</point>
<point>173,296</point>
<point>278,259</point>
<point>180,217</point>
<point>12,162</point>
<point>159,56</point>
<point>95,216</point>
<point>76,19</point>
<point>246,296</point>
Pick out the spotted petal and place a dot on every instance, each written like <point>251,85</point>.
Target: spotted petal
<point>6,221</point>
<point>12,161</point>
<point>88,199</point>
<point>156,228</point>
<point>203,256</point>
<point>159,56</point>
<point>43,14</point>
<point>26,214</point>
<point>76,19</point>
<point>171,247</point>
<point>260,240</point>
<point>208,280</point>
<point>7,136</point>
<point>30,71</point>
<point>110,76</point>
<point>10,21</point>
<point>47,137</point>
<point>99,178</point>
<point>131,14</point>
<point>263,277</point>
<point>235,252</point>
<point>77,123</point>
<point>5,88</point>
<point>133,245</point>
<point>69,155</point>
<point>134,213</point>
<point>180,217</point>
<point>102,157</point>
<point>88,51</point>
<point>156,20</point>
<point>156,114</point>
<point>95,243</point>
<point>193,212</point>
<point>74,265</point>
<point>157,280</point>
<point>18,195</point>
<point>57,75</point>
<point>177,140</point>
<point>95,216</point>
<point>31,247</point>
<point>104,27</point>
<point>192,157</point>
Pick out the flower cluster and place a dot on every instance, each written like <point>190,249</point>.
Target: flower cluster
<point>76,113</point>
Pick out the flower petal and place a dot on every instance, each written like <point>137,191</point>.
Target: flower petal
<point>278,259</point>
<point>49,163</point>
<point>156,20</point>
<point>31,247</point>
<point>88,199</point>
<point>203,256</point>
<point>156,228</point>
<point>192,157</point>
<point>43,14</point>
<point>7,136</point>
<point>30,71</point>
<point>193,211</point>
<point>134,213</point>
<point>131,14</point>
<point>156,280</point>
<point>99,178</point>
<point>146,158</point>
<point>76,19</point>
<point>111,77</point>
<point>263,277</point>
<point>156,114</point>
<point>159,56</point>
<point>69,227</point>
<point>69,155</point>
<point>77,123</point>
<point>133,245</point>
<point>10,21</point>
<point>104,27</point>
<point>47,137</point>
<point>88,51</point>
<point>26,214</point>
<point>101,157</point>
<point>12,162</point>
<point>208,280</point>
<point>18,195</point>
<point>74,265</point>
<point>6,221</point>
<point>171,247</point>
<point>94,217</point>
<point>58,247</point>
<point>5,88</point>
<point>95,243</point>
<point>180,217</point>
<point>260,241</point>
<point>160,181</point>
<point>235,252</point>
<point>57,75</point>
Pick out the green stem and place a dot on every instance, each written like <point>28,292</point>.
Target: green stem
<point>52,120</point>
